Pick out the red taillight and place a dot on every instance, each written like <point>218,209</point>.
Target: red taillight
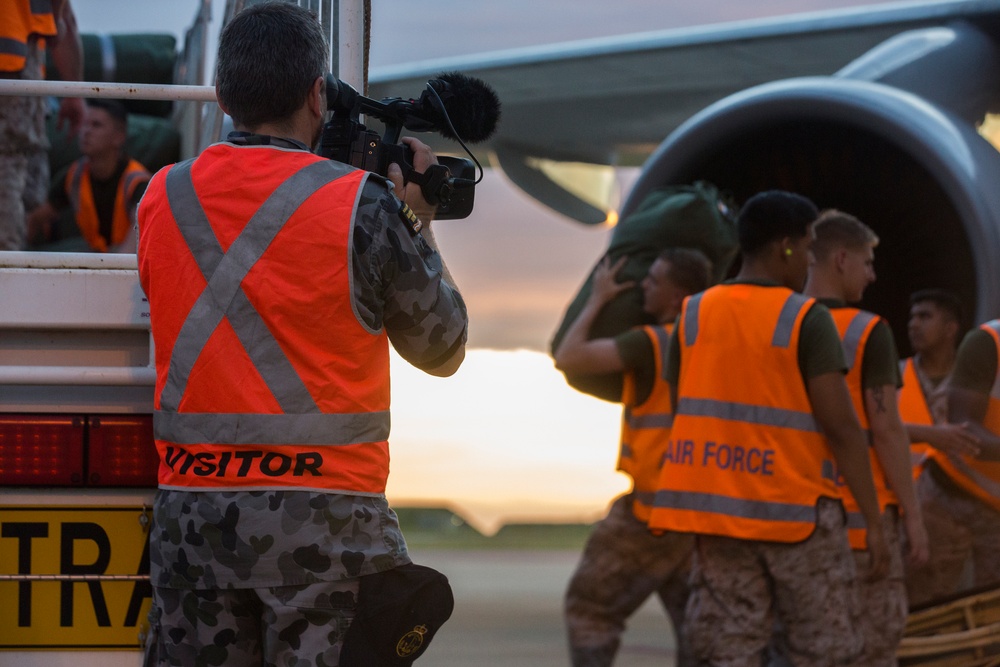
<point>77,450</point>
<point>121,451</point>
<point>41,450</point>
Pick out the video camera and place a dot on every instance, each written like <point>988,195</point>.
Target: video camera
<point>454,105</point>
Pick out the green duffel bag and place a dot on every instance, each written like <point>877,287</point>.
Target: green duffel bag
<point>674,216</point>
<point>129,58</point>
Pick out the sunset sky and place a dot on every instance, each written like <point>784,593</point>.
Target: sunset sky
<point>505,438</point>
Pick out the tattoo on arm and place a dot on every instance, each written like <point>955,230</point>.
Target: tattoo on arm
<point>879,395</point>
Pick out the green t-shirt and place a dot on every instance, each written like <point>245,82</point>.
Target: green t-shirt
<point>880,363</point>
<point>975,362</point>
<point>820,351</point>
<point>639,358</point>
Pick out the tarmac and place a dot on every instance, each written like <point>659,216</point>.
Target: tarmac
<point>508,612</point>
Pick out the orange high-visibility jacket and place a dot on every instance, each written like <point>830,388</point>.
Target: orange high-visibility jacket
<point>913,409</point>
<point>81,196</point>
<point>855,327</point>
<point>266,377</point>
<point>646,427</point>
<point>979,478</point>
<point>750,461</point>
<point>19,20</point>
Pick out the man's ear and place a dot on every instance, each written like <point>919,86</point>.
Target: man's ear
<point>840,257</point>
<point>317,97</point>
<point>785,246</point>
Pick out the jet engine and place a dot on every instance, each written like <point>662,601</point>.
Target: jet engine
<point>892,138</point>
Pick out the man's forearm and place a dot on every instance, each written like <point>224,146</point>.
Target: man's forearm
<point>428,236</point>
<point>892,445</point>
<point>576,334</point>
<point>835,414</point>
<point>893,452</point>
<point>851,454</point>
<point>919,432</point>
<point>970,407</point>
<point>66,47</point>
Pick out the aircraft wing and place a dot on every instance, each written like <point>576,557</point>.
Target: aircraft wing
<point>612,101</point>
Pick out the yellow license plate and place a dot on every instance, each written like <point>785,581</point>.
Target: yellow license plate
<point>73,577</point>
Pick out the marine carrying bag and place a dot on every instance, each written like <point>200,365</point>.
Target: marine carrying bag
<point>674,216</point>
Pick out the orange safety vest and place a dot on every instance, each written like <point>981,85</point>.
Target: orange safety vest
<point>646,427</point>
<point>81,196</point>
<point>265,376</point>
<point>19,20</point>
<point>855,327</point>
<point>979,478</point>
<point>913,409</point>
<point>749,459</point>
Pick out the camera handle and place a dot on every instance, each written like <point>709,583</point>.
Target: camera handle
<point>435,183</point>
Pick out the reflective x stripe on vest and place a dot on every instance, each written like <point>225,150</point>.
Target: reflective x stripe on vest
<point>302,423</point>
<point>646,426</point>
<point>979,478</point>
<point>749,460</point>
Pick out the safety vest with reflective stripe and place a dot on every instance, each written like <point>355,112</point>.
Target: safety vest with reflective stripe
<point>19,20</point>
<point>979,478</point>
<point>913,409</point>
<point>855,327</point>
<point>81,196</point>
<point>266,376</point>
<point>751,461</point>
<point>646,427</point>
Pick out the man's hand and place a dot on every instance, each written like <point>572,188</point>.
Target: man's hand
<point>954,439</point>
<point>604,287</point>
<point>410,193</point>
<point>878,552</point>
<point>40,223</point>
<point>576,353</point>
<point>70,115</point>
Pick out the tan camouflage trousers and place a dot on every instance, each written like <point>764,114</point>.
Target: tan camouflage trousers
<point>741,590</point>
<point>251,627</point>
<point>24,183</point>
<point>24,160</point>
<point>882,616</point>
<point>960,528</point>
<point>622,565</point>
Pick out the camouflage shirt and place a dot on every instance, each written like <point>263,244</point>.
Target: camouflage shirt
<point>242,539</point>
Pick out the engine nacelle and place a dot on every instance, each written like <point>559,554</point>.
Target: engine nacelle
<point>916,172</point>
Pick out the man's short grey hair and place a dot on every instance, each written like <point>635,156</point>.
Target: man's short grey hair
<point>269,56</point>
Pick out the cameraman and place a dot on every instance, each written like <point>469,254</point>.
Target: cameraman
<point>276,280</point>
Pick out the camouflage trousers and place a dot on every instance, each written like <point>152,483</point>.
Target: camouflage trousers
<point>24,160</point>
<point>882,616</point>
<point>302,626</point>
<point>24,181</point>
<point>960,527</point>
<point>622,565</point>
<point>882,611</point>
<point>741,590</point>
